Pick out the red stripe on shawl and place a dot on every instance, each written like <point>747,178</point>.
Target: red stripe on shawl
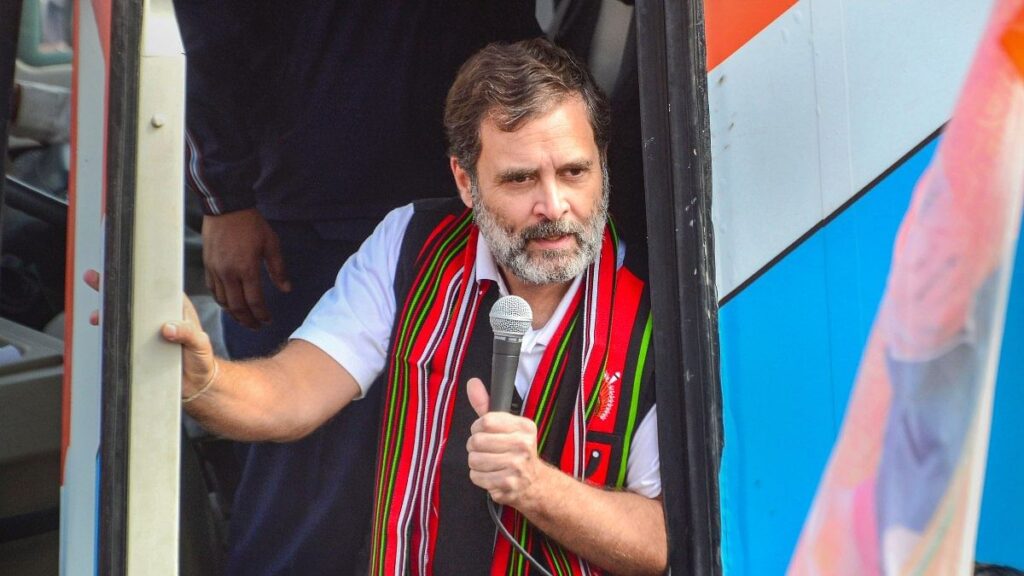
<point>502,563</point>
<point>628,291</point>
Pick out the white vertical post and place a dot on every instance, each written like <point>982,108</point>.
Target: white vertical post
<point>157,268</point>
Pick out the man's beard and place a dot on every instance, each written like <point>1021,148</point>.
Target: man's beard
<point>543,266</point>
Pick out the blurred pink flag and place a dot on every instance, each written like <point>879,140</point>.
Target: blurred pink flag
<point>902,490</point>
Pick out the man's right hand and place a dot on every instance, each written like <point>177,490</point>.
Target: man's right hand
<point>235,245</point>
<point>197,360</point>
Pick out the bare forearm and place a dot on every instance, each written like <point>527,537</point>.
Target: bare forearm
<point>620,531</point>
<point>279,399</point>
<point>246,401</point>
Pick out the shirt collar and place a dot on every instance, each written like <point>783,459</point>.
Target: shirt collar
<point>487,269</point>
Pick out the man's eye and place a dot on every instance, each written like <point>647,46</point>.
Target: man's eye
<point>520,179</point>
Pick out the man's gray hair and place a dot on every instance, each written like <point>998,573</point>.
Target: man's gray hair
<point>511,84</point>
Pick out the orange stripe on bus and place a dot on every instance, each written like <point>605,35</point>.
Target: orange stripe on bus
<point>101,9</point>
<point>69,254</point>
<point>729,24</point>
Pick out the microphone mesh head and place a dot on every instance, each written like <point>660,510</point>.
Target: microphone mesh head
<point>511,316</point>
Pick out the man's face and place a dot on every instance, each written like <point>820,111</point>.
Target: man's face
<point>540,196</point>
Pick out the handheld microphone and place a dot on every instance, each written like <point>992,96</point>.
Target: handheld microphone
<point>510,318</point>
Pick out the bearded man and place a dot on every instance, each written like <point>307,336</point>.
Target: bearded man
<point>576,470</point>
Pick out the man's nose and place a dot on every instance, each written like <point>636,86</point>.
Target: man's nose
<point>552,202</point>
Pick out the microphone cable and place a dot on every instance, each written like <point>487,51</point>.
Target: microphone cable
<point>513,541</point>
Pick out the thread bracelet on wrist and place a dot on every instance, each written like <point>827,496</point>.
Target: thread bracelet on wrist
<point>205,387</point>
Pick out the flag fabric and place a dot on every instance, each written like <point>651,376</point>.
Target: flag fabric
<point>902,490</point>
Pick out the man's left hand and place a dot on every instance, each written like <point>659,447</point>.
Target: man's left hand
<point>503,455</point>
<point>618,530</point>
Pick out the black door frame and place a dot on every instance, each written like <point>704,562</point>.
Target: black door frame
<point>122,102</point>
<point>677,173</point>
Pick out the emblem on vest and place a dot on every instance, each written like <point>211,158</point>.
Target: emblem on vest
<point>607,395</point>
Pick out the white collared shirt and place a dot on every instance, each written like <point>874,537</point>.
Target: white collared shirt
<point>353,320</point>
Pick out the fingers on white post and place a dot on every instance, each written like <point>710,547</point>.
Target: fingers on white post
<point>188,334</point>
<point>170,332</point>
<point>92,279</point>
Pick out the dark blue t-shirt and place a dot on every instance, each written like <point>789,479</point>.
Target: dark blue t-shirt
<point>316,109</point>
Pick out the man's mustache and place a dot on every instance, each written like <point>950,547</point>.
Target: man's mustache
<point>551,228</point>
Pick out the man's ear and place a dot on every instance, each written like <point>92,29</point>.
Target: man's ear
<point>463,182</point>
